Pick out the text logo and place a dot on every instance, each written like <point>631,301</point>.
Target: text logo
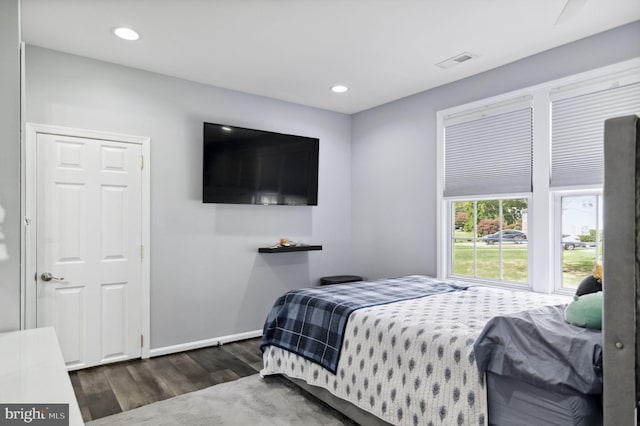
<point>34,414</point>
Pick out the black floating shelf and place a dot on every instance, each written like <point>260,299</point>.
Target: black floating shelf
<point>287,249</point>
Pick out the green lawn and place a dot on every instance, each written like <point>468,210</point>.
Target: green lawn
<point>577,264</point>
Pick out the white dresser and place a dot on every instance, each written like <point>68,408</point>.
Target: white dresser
<point>32,370</point>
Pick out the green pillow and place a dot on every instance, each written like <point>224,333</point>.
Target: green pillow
<point>585,311</point>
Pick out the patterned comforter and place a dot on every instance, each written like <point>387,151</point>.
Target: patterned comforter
<point>412,362</point>
<point>311,321</point>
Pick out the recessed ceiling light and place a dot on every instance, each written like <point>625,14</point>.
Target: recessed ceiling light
<point>338,88</point>
<point>126,33</point>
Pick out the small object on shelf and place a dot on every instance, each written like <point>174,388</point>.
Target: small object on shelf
<point>287,249</point>
<point>286,243</point>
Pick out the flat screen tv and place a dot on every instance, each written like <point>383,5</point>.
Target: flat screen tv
<point>247,166</point>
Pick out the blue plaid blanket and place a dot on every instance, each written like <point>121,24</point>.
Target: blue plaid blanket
<point>310,322</point>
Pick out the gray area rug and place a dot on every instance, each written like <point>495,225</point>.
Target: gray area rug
<point>247,401</point>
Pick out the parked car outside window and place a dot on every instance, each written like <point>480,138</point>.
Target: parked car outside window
<point>507,236</point>
<point>570,242</point>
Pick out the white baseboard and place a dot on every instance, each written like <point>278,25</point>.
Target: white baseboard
<point>217,341</point>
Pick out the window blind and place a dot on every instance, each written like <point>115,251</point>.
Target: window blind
<point>577,133</point>
<point>489,155</point>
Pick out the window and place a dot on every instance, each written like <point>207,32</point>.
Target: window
<point>489,151</point>
<point>489,240</point>
<point>581,237</point>
<point>577,158</point>
<point>537,152</point>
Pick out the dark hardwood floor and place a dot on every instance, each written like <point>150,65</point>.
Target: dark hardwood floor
<point>110,389</point>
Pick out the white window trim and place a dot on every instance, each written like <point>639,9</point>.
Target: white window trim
<point>541,224</point>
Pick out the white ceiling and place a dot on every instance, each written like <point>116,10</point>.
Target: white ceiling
<point>295,50</point>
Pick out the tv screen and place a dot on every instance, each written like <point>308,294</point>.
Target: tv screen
<point>246,166</point>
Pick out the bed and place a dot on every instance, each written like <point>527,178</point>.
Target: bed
<point>406,355</point>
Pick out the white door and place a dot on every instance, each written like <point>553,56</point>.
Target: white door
<point>88,225</point>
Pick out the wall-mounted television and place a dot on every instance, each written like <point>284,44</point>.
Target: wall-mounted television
<point>248,166</point>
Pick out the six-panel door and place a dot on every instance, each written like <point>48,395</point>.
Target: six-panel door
<point>89,240</point>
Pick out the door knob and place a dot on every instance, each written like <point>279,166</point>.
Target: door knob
<point>46,276</point>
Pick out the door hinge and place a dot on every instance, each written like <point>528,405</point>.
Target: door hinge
<point>141,340</point>
<point>141,252</point>
<point>142,162</point>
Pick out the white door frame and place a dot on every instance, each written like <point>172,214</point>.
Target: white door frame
<point>28,284</point>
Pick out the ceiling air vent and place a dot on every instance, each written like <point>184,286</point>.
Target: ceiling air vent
<point>458,59</point>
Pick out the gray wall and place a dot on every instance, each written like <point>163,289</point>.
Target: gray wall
<point>207,279</point>
<point>394,152</point>
<point>9,165</point>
